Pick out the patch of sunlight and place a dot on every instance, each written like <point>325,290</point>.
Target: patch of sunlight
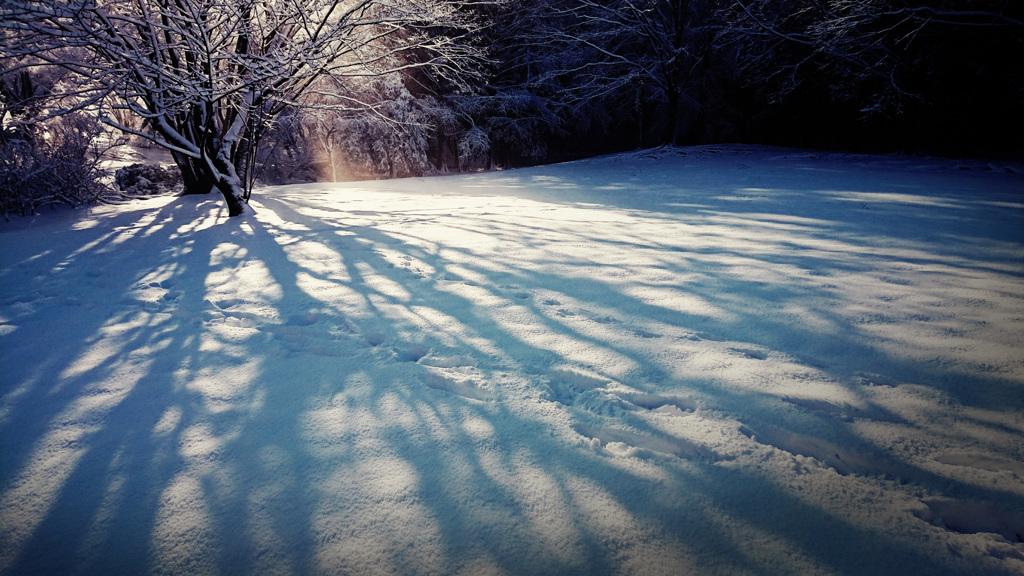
<point>449,330</point>
<point>215,214</point>
<point>729,198</point>
<point>523,323</point>
<point>226,251</point>
<point>745,225</point>
<point>200,446</point>
<point>398,259</point>
<point>250,277</point>
<point>892,198</point>
<point>568,219</point>
<point>761,546</point>
<point>512,266</point>
<point>773,221</point>
<point>318,259</point>
<point>370,514</point>
<point>541,498</point>
<point>610,521</point>
<point>226,387</point>
<point>1010,205</point>
<point>9,400</point>
<point>274,221</point>
<point>388,537</point>
<point>460,271</point>
<point>431,238</point>
<point>760,272</point>
<point>169,421</point>
<point>477,428</point>
<point>270,539</point>
<point>686,205</point>
<point>85,248</point>
<point>126,233</point>
<point>483,565</point>
<point>436,421</point>
<point>1010,421</point>
<point>30,495</point>
<point>677,300</point>
<point>552,182</point>
<point>382,284</point>
<point>393,410</point>
<point>184,535</point>
<point>104,522</point>
<point>811,318</point>
<point>339,296</point>
<point>85,224</point>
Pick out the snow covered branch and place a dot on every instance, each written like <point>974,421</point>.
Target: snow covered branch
<point>207,76</point>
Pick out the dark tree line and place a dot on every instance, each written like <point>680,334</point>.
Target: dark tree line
<point>241,90</point>
<point>930,76</point>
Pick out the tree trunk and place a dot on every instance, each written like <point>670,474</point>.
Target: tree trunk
<point>202,179</point>
<point>195,180</point>
<point>232,192</point>
<point>227,181</point>
<point>673,116</point>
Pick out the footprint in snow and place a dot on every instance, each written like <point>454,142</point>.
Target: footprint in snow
<point>982,463</point>
<point>671,405</point>
<point>226,303</point>
<point>411,353</point>
<point>628,443</point>
<point>844,461</point>
<point>973,517</point>
<point>464,387</point>
<point>750,353</point>
<point>448,361</point>
<point>566,385</point>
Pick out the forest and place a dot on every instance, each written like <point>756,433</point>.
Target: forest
<point>249,92</point>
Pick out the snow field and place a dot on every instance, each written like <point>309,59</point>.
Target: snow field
<point>706,360</point>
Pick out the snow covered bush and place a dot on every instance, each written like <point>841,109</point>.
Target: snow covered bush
<point>146,179</point>
<point>474,149</point>
<point>54,162</point>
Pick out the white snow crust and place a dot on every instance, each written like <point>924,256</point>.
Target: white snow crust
<point>706,360</point>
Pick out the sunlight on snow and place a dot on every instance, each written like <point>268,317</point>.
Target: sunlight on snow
<point>563,369</point>
<point>890,197</point>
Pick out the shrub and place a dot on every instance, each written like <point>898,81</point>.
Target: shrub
<point>56,162</point>
<point>146,179</point>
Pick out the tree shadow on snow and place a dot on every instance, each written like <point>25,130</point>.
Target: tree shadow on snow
<point>296,394</point>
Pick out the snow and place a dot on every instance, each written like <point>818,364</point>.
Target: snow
<point>714,360</point>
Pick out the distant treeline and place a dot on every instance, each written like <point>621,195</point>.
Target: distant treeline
<point>242,92</point>
<point>934,77</point>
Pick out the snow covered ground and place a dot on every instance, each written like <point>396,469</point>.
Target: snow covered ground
<point>715,360</point>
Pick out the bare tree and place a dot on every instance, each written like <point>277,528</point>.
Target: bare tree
<point>641,52</point>
<point>884,47</point>
<point>208,76</point>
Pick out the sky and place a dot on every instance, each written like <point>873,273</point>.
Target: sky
<point>708,360</point>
